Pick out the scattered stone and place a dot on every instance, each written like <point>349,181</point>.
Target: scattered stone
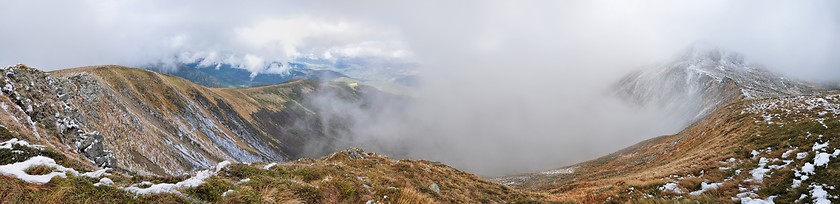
<point>434,187</point>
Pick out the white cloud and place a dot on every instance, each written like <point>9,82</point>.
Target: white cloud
<point>253,36</point>
<point>252,61</point>
<point>259,47</point>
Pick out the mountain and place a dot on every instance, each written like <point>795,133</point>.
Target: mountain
<point>117,134</point>
<point>754,137</point>
<point>779,149</point>
<point>703,79</point>
<point>227,76</point>
<point>155,124</point>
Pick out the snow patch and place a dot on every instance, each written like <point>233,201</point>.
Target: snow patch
<point>808,168</point>
<point>97,173</point>
<point>787,153</point>
<point>266,167</point>
<point>706,187</point>
<point>194,181</point>
<point>748,200</point>
<point>673,187</point>
<point>762,169</point>
<point>821,159</point>
<point>801,155</point>
<point>819,195</point>
<point>14,141</point>
<point>226,192</point>
<point>559,171</point>
<point>818,146</point>
<point>104,181</point>
<point>17,170</point>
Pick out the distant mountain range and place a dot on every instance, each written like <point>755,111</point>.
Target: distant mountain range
<point>223,75</point>
<point>227,76</point>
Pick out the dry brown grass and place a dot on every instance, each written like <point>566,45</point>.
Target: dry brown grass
<point>39,170</point>
<point>691,183</point>
<point>697,148</point>
<point>411,196</point>
<point>338,178</point>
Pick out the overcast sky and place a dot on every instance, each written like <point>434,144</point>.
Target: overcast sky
<point>794,37</point>
<point>509,86</point>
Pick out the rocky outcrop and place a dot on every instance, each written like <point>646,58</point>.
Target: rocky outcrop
<point>37,106</point>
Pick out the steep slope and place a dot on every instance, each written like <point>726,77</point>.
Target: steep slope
<point>780,149</point>
<point>150,123</point>
<point>702,79</point>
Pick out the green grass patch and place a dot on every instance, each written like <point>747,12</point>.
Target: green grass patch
<point>20,153</point>
<point>309,174</point>
<point>310,194</point>
<point>211,190</point>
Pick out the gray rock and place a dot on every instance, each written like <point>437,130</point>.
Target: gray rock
<point>434,187</point>
<point>355,153</point>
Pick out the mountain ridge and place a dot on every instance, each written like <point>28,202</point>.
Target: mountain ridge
<point>151,123</point>
<point>703,78</point>
<point>749,150</point>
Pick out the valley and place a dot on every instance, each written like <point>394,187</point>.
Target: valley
<point>157,137</point>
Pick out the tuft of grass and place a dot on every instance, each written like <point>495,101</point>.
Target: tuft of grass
<point>411,196</point>
<point>242,195</point>
<point>211,190</point>
<point>309,174</point>
<point>5,134</point>
<point>347,189</point>
<point>244,171</point>
<point>310,194</point>
<point>691,183</point>
<point>39,170</point>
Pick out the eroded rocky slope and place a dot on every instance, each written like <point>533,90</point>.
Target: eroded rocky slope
<point>150,123</point>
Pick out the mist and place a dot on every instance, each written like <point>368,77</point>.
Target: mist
<point>504,87</point>
<point>526,86</point>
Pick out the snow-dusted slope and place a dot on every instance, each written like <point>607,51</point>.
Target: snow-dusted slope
<point>703,78</point>
<point>150,123</point>
<point>781,150</point>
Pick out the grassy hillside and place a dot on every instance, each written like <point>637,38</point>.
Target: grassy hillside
<point>350,176</point>
<point>156,124</point>
<point>753,149</point>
